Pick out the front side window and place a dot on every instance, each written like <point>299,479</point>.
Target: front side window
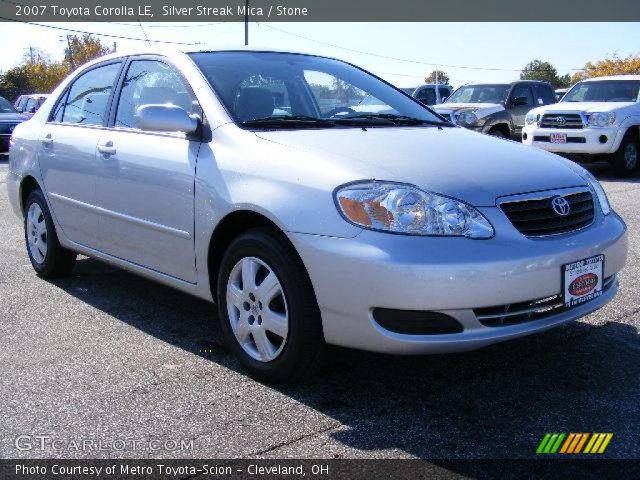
<point>150,82</point>
<point>87,100</point>
<point>479,94</point>
<point>604,91</point>
<point>296,91</point>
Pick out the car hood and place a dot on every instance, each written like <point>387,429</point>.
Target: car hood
<point>481,108</point>
<point>570,107</point>
<point>12,117</point>
<point>456,162</point>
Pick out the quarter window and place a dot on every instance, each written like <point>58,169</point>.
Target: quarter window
<point>88,97</point>
<point>150,82</point>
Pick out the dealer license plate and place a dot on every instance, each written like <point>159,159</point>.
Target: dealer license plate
<point>558,138</point>
<point>582,280</point>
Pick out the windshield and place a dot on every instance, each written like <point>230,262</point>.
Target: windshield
<point>283,90</point>
<point>6,107</point>
<point>604,91</point>
<point>479,94</point>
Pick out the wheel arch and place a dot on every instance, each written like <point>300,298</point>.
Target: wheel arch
<point>27,185</point>
<point>230,227</point>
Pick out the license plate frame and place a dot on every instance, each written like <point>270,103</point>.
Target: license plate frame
<point>578,282</point>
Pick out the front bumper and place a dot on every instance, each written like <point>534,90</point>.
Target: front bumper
<point>454,276</point>
<point>591,138</point>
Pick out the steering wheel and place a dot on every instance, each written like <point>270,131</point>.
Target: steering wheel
<point>333,112</point>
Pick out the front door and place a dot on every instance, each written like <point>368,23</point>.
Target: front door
<point>520,102</point>
<point>145,180</point>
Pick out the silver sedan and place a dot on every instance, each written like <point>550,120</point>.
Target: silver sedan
<point>259,181</point>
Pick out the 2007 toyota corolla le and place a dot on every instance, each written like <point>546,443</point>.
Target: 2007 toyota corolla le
<point>259,180</point>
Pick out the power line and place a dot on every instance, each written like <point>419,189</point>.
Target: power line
<point>397,59</point>
<point>108,35</point>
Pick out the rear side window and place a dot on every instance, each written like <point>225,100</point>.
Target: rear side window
<point>544,95</point>
<point>427,96</point>
<point>87,99</point>
<point>150,82</point>
<point>444,92</point>
<point>522,91</point>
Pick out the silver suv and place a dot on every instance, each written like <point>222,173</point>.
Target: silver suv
<point>249,179</point>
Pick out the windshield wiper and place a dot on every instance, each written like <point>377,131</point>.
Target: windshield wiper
<point>390,118</point>
<point>296,121</point>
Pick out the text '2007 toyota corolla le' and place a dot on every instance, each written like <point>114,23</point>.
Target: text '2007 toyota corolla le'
<point>257,180</point>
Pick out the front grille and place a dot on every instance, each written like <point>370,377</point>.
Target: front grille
<point>539,309</point>
<point>547,138</point>
<point>535,218</point>
<point>561,120</point>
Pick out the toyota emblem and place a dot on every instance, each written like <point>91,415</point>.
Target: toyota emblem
<point>560,206</point>
<point>561,120</point>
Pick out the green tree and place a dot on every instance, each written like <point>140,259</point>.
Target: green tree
<point>539,70</point>
<point>37,73</point>
<point>442,77</point>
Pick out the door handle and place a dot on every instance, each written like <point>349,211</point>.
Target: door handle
<point>107,149</point>
<point>47,140</point>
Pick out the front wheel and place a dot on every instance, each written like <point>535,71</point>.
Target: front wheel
<point>267,307</point>
<point>625,161</point>
<point>48,258</point>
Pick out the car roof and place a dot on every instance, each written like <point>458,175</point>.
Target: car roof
<point>613,77</point>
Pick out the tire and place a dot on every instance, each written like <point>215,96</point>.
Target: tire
<point>281,309</point>
<point>48,258</point>
<point>498,133</point>
<point>626,161</point>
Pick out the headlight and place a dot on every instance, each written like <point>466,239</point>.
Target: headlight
<point>599,191</point>
<point>531,118</point>
<point>602,119</point>
<point>400,208</point>
<point>466,118</point>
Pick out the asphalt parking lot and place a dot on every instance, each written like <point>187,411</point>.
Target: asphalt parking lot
<point>109,356</point>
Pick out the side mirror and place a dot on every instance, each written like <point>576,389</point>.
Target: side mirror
<point>166,118</point>
<point>520,101</point>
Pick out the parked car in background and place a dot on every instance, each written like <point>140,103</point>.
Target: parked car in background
<point>431,93</point>
<point>408,90</point>
<point>29,104</point>
<point>597,119</point>
<point>497,109</point>
<point>560,93</point>
<point>9,118</point>
<point>173,165</point>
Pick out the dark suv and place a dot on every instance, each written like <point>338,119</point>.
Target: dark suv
<point>498,109</point>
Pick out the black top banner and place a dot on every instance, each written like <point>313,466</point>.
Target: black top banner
<point>320,11</point>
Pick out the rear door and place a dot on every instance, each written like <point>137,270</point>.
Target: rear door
<point>521,92</point>
<point>67,153</point>
<point>145,180</point>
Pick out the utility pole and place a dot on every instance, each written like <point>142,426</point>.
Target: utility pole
<point>73,67</point>
<point>31,54</point>
<point>246,22</point>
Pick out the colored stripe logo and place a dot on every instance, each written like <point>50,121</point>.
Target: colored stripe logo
<point>574,443</point>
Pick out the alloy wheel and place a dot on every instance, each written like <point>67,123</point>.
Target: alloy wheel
<point>257,309</point>
<point>37,233</point>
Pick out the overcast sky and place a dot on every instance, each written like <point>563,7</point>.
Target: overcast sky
<point>506,47</point>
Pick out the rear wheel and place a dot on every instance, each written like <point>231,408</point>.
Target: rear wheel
<point>267,307</point>
<point>625,161</point>
<point>47,256</point>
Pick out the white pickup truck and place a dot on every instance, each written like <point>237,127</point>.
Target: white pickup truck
<point>598,118</point>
